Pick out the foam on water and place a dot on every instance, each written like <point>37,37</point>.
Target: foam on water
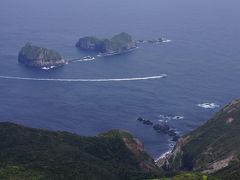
<point>85,80</point>
<point>47,68</point>
<point>167,41</point>
<point>166,118</point>
<point>208,105</point>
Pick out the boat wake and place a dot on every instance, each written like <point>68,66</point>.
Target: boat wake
<point>84,80</point>
<point>84,60</point>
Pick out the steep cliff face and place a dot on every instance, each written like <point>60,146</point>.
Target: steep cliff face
<point>212,147</point>
<point>42,154</point>
<point>145,162</point>
<point>118,44</point>
<point>39,57</point>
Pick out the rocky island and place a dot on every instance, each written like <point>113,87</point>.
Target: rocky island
<point>38,57</point>
<point>118,44</point>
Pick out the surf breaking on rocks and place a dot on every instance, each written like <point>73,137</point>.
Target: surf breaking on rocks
<point>84,80</point>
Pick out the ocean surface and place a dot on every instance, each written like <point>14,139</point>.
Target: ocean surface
<point>202,63</point>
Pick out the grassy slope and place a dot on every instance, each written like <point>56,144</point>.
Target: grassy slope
<point>41,154</point>
<point>216,140</point>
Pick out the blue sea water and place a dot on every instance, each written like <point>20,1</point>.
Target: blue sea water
<point>202,63</point>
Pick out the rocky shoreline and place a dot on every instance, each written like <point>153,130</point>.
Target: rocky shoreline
<point>161,127</point>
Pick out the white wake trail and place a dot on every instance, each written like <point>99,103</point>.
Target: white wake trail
<point>84,80</point>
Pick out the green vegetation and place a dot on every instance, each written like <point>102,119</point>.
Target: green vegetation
<point>211,152</point>
<point>117,134</point>
<point>20,173</point>
<point>190,176</point>
<point>42,154</point>
<point>231,172</point>
<point>213,147</point>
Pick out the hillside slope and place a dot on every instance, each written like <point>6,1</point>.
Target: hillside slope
<point>212,148</point>
<point>28,153</point>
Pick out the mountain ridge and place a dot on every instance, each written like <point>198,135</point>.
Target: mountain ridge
<point>43,154</point>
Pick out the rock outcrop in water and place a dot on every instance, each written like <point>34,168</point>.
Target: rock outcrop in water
<point>118,44</point>
<point>161,127</point>
<point>38,57</point>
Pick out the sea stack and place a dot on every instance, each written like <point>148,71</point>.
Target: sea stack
<point>118,44</point>
<point>39,57</point>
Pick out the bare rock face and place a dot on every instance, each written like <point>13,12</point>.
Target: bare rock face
<point>38,57</point>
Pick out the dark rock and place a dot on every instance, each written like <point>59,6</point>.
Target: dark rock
<point>161,127</point>
<point>118,44</point>
<point>141,41</point>
<point>39,57</point>
<point>147,122</point>
<point>175,138</point>
<point>140,119</point>
<point>152,41</point>
<point>158,40</point>
<point>171,133</point>
<point>165,128</point>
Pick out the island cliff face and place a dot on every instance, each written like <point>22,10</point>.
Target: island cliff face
<point>118,44</point>
<point>38,57</point>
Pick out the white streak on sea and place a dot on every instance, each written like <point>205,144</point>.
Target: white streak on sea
<point>84,80</point>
